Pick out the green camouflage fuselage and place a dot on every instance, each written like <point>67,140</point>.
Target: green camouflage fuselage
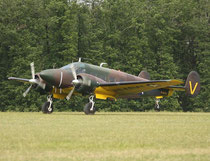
<point>62,78</point>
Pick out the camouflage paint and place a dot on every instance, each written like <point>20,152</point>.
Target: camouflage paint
<point>62,78</point>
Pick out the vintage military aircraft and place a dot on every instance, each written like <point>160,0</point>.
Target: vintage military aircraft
<point>103,83</point>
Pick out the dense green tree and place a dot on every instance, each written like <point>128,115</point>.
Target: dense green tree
<point>168,38</point>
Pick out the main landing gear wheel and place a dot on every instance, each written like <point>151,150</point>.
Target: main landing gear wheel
<point>157,106</point>
<point>89,108</point>
<point>47,107</point>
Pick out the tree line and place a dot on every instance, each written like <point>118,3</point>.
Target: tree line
<point>168,38</point>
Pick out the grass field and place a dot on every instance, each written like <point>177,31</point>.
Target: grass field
<point>105,137</point>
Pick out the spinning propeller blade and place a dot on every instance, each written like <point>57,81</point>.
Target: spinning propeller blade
<point>70,94</point>
<point>74,82</point>
<point>32,70</point>
<point>32,81</point>
<point>74,73</point>
<point>26,92</point>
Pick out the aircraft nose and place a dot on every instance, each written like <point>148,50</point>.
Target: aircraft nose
<point>57,77</point>
<point>49,76</point>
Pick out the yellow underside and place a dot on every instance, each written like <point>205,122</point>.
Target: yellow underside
<point>100,93</point>
<point>104,94</point>
<point>61,93</point>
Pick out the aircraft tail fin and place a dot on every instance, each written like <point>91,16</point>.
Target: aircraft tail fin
<point>192,85</point>
<point>144,74</point>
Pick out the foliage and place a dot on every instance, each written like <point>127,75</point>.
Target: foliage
<point>168,38</point>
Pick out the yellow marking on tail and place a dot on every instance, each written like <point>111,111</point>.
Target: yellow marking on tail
<point>192,91</point>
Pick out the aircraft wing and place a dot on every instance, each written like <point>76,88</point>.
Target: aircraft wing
<point>134,87</point>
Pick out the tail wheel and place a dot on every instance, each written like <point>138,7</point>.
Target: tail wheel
<point>88,109</point>
<point>47,108</point>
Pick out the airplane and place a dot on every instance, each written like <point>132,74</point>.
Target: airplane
<point>99,82</point>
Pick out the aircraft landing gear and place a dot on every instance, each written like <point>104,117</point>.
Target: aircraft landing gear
<point>89,108</point>
<point>157,106</point>
<point>47,107</point>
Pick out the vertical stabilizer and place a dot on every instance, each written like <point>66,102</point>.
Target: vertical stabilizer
<point>144,74</point>
<point>192,85</point>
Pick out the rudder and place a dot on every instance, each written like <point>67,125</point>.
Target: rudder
<point>192,85</point>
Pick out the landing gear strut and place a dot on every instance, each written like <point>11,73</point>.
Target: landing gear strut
<point>47,107</point>
<point>157,106</point>
<point>89,108</point>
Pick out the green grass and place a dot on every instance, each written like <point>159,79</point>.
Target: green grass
<point>105,137</point>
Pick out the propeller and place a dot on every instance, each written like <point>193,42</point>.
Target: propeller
<point>33,81</point>
<point>26,92</point>
<point>74,82</point>
<point>70,94</point>
<point>32,70</point>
